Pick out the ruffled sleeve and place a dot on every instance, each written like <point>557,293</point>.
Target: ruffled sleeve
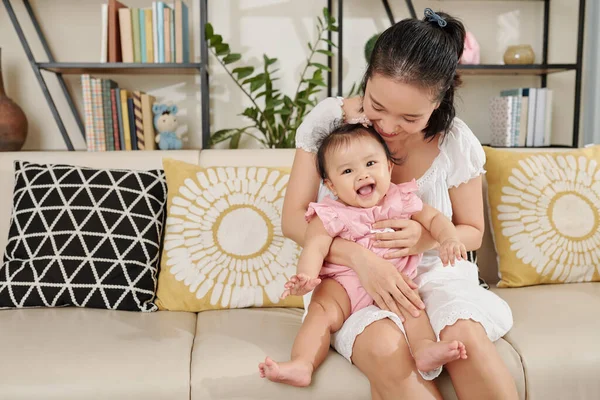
<point>464,154</point>
<point>334,225</point>
<point>319,122</point>
<point>405,199</point>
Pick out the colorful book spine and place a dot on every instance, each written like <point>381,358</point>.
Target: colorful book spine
<point>160,25</point>
<point>88,112</point>
<point>115,117</point>
<point>125,115</point>
<point>149,36</point>
<point>126,32</point>
<point>139,120</point>
<point>99,137</point>
<point>148,118</point>
<point>500,111</point>
<point>107,85</point>
<point>120,118</point>
<point>142,18</point>
<point>186,33</point>
<point>135,26</point>
<point>131,124</point>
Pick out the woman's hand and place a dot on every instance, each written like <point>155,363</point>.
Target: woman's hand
<point>405,238</point>
<point>353,111</point>
<point>389,288</point>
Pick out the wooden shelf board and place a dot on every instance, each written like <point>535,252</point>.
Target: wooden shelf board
<point>535,69</point>
<point>122,68</point>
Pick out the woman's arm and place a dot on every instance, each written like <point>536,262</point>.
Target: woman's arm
<point>467,212</point>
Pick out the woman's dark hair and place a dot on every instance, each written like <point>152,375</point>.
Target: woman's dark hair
<point>423,53</point>
<point>341,136</point>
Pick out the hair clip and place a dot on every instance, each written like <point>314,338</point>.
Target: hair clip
<point>433,17</point>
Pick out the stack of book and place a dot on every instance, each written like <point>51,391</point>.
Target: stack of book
<point>521,118</point>
<point>159,34</point>
<point>116,119</point>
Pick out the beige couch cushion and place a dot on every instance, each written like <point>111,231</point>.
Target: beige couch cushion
<point>230,344</point>
<point>72,353</point>
<point>556,332</point>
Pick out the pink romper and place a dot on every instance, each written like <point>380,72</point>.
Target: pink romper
<point>353,223</point>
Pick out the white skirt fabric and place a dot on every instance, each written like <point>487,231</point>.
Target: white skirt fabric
<point>450,294</point>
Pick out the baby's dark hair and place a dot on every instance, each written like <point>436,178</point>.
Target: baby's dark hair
<point>341,136</point>
<point>423,53</point>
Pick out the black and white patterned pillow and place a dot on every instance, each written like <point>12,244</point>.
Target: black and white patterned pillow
<point>83,237</point>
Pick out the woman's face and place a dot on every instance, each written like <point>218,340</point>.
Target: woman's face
<point>397,110</point>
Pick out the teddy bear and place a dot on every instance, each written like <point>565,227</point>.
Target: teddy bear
<point>165,123</point>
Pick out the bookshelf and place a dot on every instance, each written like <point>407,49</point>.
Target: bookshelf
<point>540,70</point>
<point>64,68</point>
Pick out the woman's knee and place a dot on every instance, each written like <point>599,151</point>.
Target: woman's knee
<point>380,346</point>
<point>467,331</point>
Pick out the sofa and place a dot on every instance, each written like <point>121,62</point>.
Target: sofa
<point>553,351</point>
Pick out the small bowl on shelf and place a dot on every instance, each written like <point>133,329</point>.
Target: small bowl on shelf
<point>521,54</point>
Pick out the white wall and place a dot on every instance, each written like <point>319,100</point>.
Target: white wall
<point>281,28</point>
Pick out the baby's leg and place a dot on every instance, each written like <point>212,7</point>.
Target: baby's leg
<point>429,354</point>
<point>328,309</point>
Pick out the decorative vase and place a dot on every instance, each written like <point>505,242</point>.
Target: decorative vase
<point>519,54</point>
<point>13,122</point>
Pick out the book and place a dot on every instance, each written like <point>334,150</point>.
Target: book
<point>142,19</point>
<point>172,33</point>
<point>149,35</point>
<point>120,118</point>
<point>104,42</point>
<point>115,105</point>
<point>88,113</point>
<point>167,34</point>
<point>126,35</point>
<point>178,12</point>
<point>135,27</point>
<point>186,33</point>
<point>160,28</point>
<point>155,30</point>
<point>132,133</point>
<point>114,35</point>
<point>548,119</point>
<point>125,116</point>
<point>531,117</point>
<point>97,109</point>
<point>148,120</point>
<point>109,140</point>
<point>540,117</point>
<point>501,120</point>
<point>138,120</point>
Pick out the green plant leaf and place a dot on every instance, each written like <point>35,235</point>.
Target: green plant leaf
<point>234,143</point>
<point>257,84</point>
<point>326,52</point>
<point>320,66</point>
<point>222,49</point>
<point>329,42</point>
<point>326,14</point>
<point>332,28</point>
<point>222,135</point>
<point>215,40</point>
<point>269,61</point>
<point>208,30</point>
<point>258,77</point>
<point>231,58</point>
<point>310,46</point>
<point>316,82</point>
<point>243,72</point>
<point>303,101</point>
<point>320,22</point>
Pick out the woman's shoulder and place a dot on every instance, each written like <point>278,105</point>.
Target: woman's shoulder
<point>318,123</point>
<point>463,152</point>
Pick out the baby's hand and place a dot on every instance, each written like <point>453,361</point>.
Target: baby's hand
<point>451,250</point>
<point>299,285</point>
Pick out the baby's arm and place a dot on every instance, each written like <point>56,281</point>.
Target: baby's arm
<point>316,247</point>
<point>444,231</point>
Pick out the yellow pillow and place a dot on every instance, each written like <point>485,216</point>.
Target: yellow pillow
<point>545,214</point>
<point>223,246</point>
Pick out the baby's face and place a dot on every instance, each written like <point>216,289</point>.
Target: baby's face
<point>359,173</point>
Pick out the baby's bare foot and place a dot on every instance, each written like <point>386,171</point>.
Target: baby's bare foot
<point>436,354</point>
<point>294,373</point>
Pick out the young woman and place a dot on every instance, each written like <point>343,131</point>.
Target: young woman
<point>409,99</point>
